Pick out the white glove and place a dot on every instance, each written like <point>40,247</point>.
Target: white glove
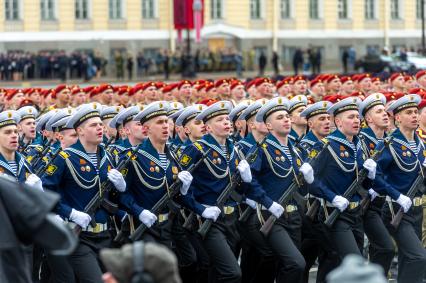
<point>371,166</point>
<point>244,169</point>
<point>424,163</point>
<point>276,209</point>
<point>340,203</point>
<point>373,194</point>
<point>80,218</point>
<point>147,217</point>
<point>308,172</point>
<point>250,203</point>
<point>405,202</point>
<point>58,219</point>
<point>34,181</point>
<point>117,179</point>
<point>212,213</point>
<point>186,178</point>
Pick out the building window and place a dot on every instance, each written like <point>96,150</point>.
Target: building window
<point>395,9</point>
<point>255,9</point>
<point>148,9</point>
<point>343,9</point>
<point>47,9</point>
<point>115,9</point>
<point>314,12</point>
<point>82,9</point>
<point>216,8</point>
<point>11,8</point>
<point>285,8</point>
<point>419,9</point>
<point>370,9</point>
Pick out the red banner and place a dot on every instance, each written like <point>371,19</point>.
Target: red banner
<point>183,11</point>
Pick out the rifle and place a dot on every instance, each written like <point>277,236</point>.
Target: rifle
<point>42,168</point>
<point>355,185</point>
<point>288,194</point>
<point>415,187</point>
<point>227,192</point>
<point>172,192</point>
<point>39,157</point>
<point>98,199</point>
<point>109,141</point>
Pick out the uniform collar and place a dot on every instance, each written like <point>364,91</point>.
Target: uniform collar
<point>293,135</point>
<point>78,149</point>
<point>399,138</point>
<point>209,140</point>
<point>19,162</point>
<point>339,137</point>
<point>148,150</point>
<point>310,138</point>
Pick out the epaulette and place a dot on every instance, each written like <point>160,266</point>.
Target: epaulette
<point>198,146</point>
<point>64,154</point>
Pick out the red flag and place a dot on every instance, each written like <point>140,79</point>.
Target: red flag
<point>184,14</point>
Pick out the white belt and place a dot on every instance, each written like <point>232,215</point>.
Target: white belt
<point>97,229</point>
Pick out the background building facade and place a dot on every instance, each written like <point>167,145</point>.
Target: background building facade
<point>108,26</point>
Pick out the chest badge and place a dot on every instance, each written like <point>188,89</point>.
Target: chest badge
<point>157,169</point>
<point>83,168</point>
<point>88,168</point>
<point>175,170</point>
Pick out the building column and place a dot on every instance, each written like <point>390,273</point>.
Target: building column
<point>275,24</point>
<point>386,23</point>
<point>172,39</point>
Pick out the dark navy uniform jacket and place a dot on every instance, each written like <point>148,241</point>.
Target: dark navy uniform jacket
<point>337,167</point>
<point>306,144</point>
<point>244,145</point>
<point>73,175</point>
<point>369,141</point>
<point>23,170</point>
<point>273,170</point>
<point>399,165</point>
<point>147,181</point>
<point>211,178</point>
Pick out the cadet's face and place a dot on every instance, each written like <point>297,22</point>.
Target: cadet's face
<point>185,90</point>
<point>320,124</point>
<point>151,93</point>
<point>295,117</point>
<point>348,87</point>
<point>107,96</point>
<point>408,118</point>
<point>9,138</point>
<point>335,85</point>
<point>195,129</point>
<point>348,122</point>
<point>398,82</point>
<point>28,127</point>
<point>80,98</point>
<point>171,126</point>
<point>17,99</point>
<point>422,116</point>
<point>67,137</point>
<point>35,97</point>
<point>238,92</point>
<point>219,126</point>
<point>377,116</point>
<point>318,89</point>
<point>422,81</point>
<point>157,129</point>
<point>365,84</point>
<point>279,123</point>
<point>91,130</point>
<point>299,87</point>
<point>259,127</point>
<point>224,90</point>
<point>135,129</point>
<point>376,86</point>
<point>64,96</point>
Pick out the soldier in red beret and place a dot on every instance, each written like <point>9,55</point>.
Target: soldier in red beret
<point>410,82</point>
<point>223,90</point>
<point>333,84</point>
<point>264,88</point>
<point>397,82</point>
<point>211,91</point>
<point>185,92</point>
<point>14,98</point>
<point>150,92</point>
<point>363,83</point>
<point>62,96</point>
<point>238,92</point>
<point>376,85</point>
<point>102,94</point>
<point>421,79</point>
<point>300,87</point>
<point>317,89</point>
<point>78,96</point>
<point>34,95</point>
<point>283,87</point>
<point>251,89</point>
<point>348,85</point>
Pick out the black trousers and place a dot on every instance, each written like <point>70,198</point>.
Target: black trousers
<point>221,244</point>
<point>85,259</point>
<point>346,235</point>
<point>282,245</point>
<point>381,250</point>
<point>60,269</point>
<point>411,254</point>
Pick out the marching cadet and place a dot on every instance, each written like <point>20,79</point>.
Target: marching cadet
<point>298,124</point>
<point>27,125</point>
<point>398,167</point>
<point>256,131</point>
<point>66,136</point>
<point>221,241</point>
<point>107,114</point>
<point>177,137</point>
<point>314,244</point>
<point>239,126</point>
<point>76,175</point>
<point>193,129</point>
<point>274,168</point>
<point>381,250</point>
<point>176,108</point>
<point>133,129</point>
<point>117,146</point>
<point>149,176</point>
<point>318,122</point>
<point>335,170</point>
